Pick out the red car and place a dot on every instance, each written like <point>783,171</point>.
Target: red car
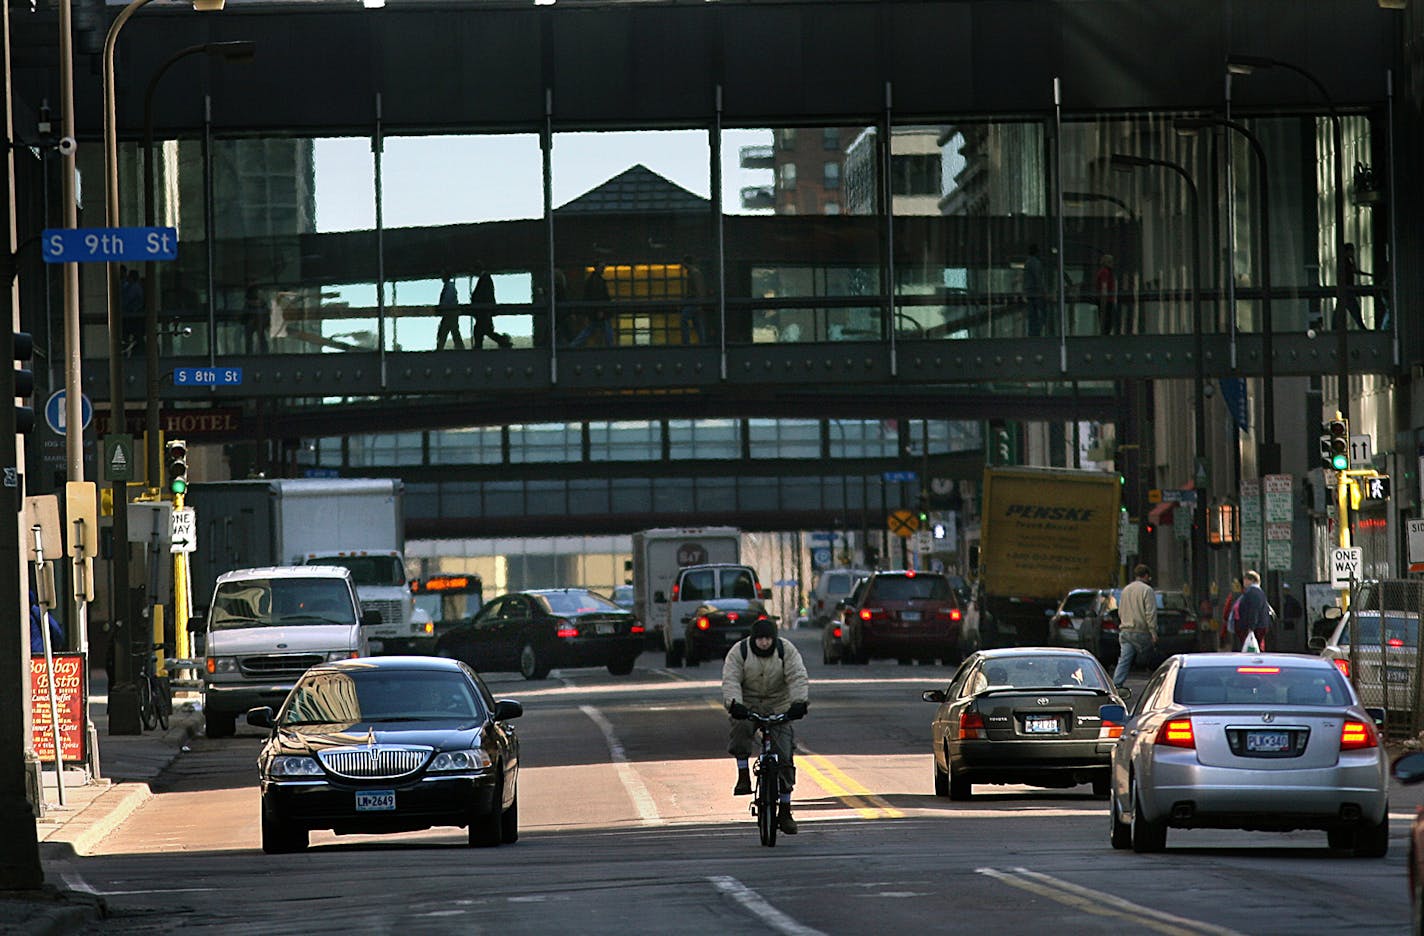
<point>1410,769</point>
<point>906,615</point>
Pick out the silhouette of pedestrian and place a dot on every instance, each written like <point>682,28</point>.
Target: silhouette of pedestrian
<point>1349,272</point>
<point>449,315</point>
<point>595,294</point>
<point>483,301</point>
<point>255,313</point>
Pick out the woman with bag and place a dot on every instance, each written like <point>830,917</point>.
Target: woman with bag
<point>1225,641</point>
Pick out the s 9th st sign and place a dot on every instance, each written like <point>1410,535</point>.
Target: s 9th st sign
<point>109,245</point>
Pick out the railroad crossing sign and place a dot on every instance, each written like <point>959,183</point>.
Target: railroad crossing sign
<point>903,523</point>
<point>1345,566</point>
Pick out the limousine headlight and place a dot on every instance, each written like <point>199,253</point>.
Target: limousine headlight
<point>450,761</point>
<point>294,766</point>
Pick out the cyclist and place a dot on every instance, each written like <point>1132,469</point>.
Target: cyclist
<point>764,674</point>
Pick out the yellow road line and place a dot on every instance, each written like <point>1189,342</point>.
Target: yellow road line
<point>852,787</point>
<point>804,766</point>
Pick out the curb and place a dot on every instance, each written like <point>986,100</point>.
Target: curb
<point>107,812</point>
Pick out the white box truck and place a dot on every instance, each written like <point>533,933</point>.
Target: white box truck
<point>659,554</point>
<point>356,523</point>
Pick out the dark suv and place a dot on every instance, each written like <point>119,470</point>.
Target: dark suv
<point>907,615</point>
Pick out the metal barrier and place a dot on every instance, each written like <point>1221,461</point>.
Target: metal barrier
<point>1385,653</point>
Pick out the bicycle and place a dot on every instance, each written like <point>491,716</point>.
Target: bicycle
<point>155,698</point>
<point>766,798</point>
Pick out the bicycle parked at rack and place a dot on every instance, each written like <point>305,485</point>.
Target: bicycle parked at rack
<point>155,698</point>
<point>766,798</point>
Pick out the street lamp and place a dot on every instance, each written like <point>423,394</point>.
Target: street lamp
<point>1123,162</point>
<point>123,696</point>
<point>1245,65</point>
<point>1269,453</point>
<point>240,51</point>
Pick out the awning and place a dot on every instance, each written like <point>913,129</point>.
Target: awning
<point>1161,514</point>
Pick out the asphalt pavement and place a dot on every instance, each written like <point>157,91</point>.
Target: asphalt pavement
<point>93,809</point>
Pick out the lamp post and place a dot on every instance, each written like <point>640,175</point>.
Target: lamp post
<point>1245,65</point>
<point>240,51</point>
<point>1126,163</point>
<point>123,696</point>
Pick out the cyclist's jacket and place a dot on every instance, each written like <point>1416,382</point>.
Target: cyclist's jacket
<point>766,685</point>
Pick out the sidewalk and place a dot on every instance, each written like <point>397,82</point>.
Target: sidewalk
<point>92,810</point>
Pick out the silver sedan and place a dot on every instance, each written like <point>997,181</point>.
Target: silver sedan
<point>1262,742</point>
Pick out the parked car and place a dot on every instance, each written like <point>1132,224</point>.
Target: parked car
<point>831,586</point>
<point>1077,620</point>
<point>1022,715</point>
<point>536,631</point>
<point>1263,742</point>
<point>833,634</point>
<point>904,614</point>
<point>1177,628</point>
<point>717,625</point>
<point>623,596</point>
<point>1409,769</point>
<point>388,744</point>
<point>1383,665</point>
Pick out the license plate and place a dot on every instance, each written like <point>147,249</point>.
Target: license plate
<point>1040,725</point>
<point>603,628</point>
<point>1268,742</point>
<point>909,615</point>
<point>1396,674</point>
<point>375,800</point>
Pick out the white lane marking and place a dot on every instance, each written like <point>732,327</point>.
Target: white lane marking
<point>764,911</point>
<point>642,799</point>
<point>78,883</point>
<point>1104,904</point>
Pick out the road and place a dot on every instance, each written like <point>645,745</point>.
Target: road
<point>628,824</point>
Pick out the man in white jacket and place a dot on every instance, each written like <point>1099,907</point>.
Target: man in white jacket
<point>765,674</point>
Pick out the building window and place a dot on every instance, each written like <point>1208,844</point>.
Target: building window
<point>788,176</point>
<point>831,138</point>
<point>786,138</point>
<point>832,208</point>
<point>916,174</point>
<point>831,175</point>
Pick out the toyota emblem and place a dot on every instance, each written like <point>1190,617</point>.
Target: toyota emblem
<point>1042,700</point>
<point>1268,717</point>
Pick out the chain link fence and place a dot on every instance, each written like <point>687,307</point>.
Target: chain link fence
<point>1385,653</point>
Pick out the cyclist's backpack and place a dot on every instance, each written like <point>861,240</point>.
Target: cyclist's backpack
<point>780,650</point>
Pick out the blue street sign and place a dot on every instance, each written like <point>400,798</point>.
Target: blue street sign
<point>320,473</point>
<point>110,245</point>
<point>207,376</point>
<point>900,476</point>
<point>56,414</point>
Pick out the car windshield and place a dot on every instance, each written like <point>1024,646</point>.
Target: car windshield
<point>1257,684</point>
<point>574,602</point>
<point>368,570</point>
<point>1172,601</point>
<point>369,695</point>
<point>281,602</point>
<point>1400,630</point>
<point>1078,602</point>
<point>836,583</point>
<point>909,587</point>
<point>1040,671</point>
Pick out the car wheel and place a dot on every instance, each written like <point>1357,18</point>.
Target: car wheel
<point>1120,834</point>
<point>281,839</point>
<point>530,666</point>
<point>960,788</point>
<point>1146,836</point>
<point>509,823</point>
<point>1372,838</point>
<point>622,667</point>
<point>219,724</point>
<point>941,779</point>
<point>1341,837</point>
<point>673,656</point>
<point>487,829</point>
<point>1102,785</point>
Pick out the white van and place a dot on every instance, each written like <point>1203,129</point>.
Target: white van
<point>265,627</point>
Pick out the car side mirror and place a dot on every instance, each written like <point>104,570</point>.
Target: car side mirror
<point>933,695</point>
<point>260,717</point>
<point>659,598</point>
<point>505,709</point>
<point>1116,714</point>
<point>370,617</point>
<point>1316,643</point>
<point>197,623</point>
<point>1409,768</point>
<point>1378,715</point>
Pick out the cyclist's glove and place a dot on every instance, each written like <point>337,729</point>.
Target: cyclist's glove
<point>738,711</point>
<point>798,710</point>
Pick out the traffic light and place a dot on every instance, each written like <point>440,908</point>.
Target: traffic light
<point>175,465</point>
<point>1335,444</point>
<point>24,382</point>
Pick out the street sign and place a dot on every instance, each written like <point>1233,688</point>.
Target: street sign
<point>1416,544</point>
<point>1360,456</point>
<point>903,523</point>
<point>57,415</point>
<point>118,457</point>
<point>924,541</point>
<point>207,376</point>
<point>900,476</point>
<point>183,536</point>
<point>1184,496</point>
<point>110,245</point>
<point>1345,564</point>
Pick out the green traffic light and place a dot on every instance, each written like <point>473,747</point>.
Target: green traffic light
<point>179,486</point>
<point>1339,462</point>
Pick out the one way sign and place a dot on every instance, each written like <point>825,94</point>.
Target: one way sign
<point>1345,566</point>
